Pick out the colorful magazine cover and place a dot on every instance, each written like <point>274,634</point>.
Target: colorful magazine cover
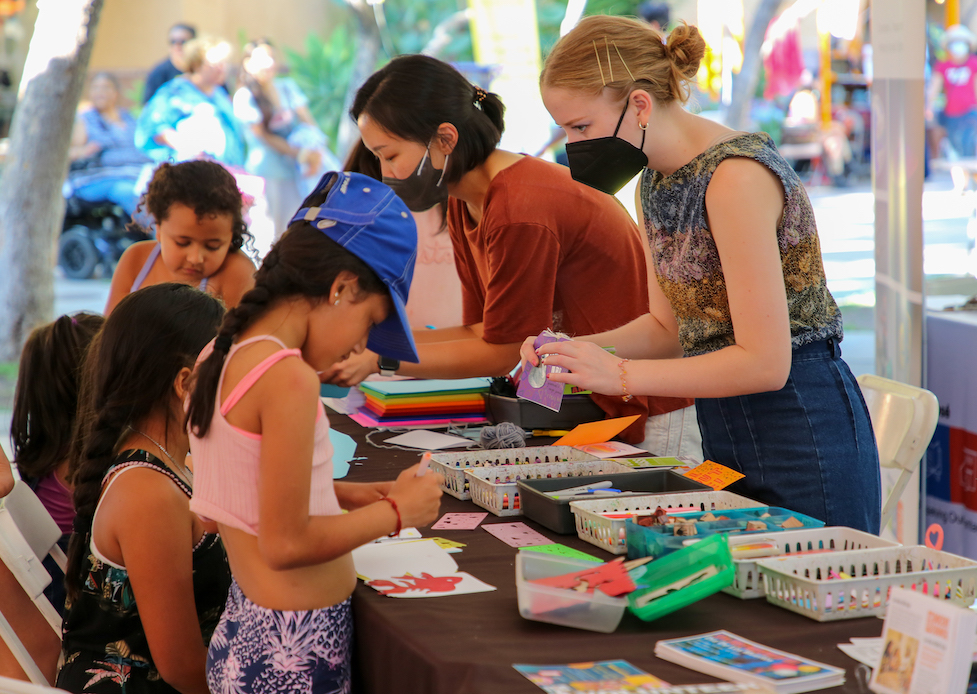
<point>584,678</point>
<point>729,656</point>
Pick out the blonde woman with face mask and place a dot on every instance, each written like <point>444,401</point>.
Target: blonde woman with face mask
<point>740,292</point>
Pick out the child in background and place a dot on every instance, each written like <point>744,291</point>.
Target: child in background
<point>45,403</point>
<point>146,582</point>
<point>335,283</point>
<point>200,230</point>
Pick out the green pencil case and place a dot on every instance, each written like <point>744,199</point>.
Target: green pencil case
<point>682,578</point>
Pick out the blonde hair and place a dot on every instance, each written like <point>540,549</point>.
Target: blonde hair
<point>195,51</point>
<point>623,54</point>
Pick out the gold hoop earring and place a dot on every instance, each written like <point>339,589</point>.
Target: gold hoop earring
<point>643,127</point>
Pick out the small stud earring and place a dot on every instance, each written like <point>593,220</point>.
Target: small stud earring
<point>336,302</point>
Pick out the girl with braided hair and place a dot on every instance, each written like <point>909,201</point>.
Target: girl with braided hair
<point>741,317</point>
<point>200,235</point>
<point>146,579</point>
<point>334,284</point>
<point>533,248</point>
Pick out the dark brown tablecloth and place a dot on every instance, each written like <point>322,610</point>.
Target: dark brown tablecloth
<point>467,644</point>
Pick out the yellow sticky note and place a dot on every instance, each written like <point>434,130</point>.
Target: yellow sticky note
<point>596,432</point>
<point>714,475</point>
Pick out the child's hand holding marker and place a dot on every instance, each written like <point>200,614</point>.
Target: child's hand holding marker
<point>416,497</point>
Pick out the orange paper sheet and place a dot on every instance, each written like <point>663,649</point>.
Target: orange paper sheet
<point>596,432</point>
<point>715,475</point>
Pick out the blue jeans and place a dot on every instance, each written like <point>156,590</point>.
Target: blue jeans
<point>962,132</point>
<point>808,447</point>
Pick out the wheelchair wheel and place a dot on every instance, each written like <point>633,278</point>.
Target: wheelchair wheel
<point>77,254</point>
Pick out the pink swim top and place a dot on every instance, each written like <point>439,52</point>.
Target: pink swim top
<point>225,461</point>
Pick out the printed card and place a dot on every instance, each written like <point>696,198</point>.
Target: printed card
<point>715,475</point>
<point>459,521</point>
<point>559,551</point>
<point>517,534</point>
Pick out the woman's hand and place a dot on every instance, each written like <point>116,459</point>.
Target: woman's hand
<point>527,353</point>
<point>590,367</point>
<point>418,498</point>
<point>310,160</point>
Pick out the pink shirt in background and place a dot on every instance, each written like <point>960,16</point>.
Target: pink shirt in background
<point>958,85</point>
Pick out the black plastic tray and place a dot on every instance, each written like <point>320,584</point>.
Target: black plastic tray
<point>555,514</point>
<point>576,409</point>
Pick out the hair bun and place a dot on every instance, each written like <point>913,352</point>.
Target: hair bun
<point>685,47</point>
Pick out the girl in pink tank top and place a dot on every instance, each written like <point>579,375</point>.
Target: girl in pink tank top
<point>334,284</point>
<point>200,232</point>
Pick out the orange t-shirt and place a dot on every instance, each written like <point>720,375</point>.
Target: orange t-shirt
<point>553,253</point>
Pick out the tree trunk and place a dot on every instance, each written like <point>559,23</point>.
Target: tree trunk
<point>364,62</point>
<point>745,83</point>
<point>31,205</point>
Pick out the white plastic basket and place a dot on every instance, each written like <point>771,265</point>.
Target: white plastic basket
<point>453,465</point>
<point>494,488</point>
<point>802,584</point>
<point>608,533</point>
<point>747,583</point>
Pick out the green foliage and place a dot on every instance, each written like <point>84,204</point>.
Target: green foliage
<point>549,14</point>
<point>322,69</point>
<point>133,95</point>
<point>322,72</point>
<point>412,25</point>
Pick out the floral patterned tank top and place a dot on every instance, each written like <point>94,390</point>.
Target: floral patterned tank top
<point>105,646</point>
<point>688,265</point>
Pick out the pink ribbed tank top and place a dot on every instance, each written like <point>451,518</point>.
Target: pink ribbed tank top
<point>225,461</point>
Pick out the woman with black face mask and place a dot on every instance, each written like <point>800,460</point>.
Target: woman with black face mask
<point>533,248</point>
<point>740,293</point>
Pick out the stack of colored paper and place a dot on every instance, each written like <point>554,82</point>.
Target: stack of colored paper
<point>422,402</point>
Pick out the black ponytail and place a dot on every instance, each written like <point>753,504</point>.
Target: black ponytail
<point>128,375</point>
<point>414,94</point>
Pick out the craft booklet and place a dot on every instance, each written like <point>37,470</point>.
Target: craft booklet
<point>591,678</point>
<point>731,657</point>
<point>927,646</point>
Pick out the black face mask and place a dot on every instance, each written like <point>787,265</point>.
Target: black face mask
<point>423,189</point>
<point>606,163</point>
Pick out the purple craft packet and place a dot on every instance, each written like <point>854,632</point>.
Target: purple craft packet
<point>534,384</point>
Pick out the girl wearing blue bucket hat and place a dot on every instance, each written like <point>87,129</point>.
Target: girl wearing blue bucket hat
<point>335,284</point>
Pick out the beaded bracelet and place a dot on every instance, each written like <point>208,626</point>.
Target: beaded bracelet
<point>625,395</point>
<point>393,503</point>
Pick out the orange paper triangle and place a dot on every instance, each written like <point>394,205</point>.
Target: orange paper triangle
<point>596,432</point>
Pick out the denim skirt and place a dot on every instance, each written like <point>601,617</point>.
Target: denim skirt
<point>808,447</point>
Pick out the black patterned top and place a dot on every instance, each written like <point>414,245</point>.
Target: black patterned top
<point>105,646</point>
<point>688,265</point>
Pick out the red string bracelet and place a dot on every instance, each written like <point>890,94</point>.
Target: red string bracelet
<point>393,503</point>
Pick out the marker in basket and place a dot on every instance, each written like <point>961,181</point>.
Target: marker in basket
<point>582,489</point>
<point>425,461</point>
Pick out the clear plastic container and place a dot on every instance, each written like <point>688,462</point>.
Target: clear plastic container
<point>570,608</point>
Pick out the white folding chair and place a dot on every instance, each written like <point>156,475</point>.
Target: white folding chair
<point>904,418</point>
<point>27,535</point>
<point>11,686</point>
